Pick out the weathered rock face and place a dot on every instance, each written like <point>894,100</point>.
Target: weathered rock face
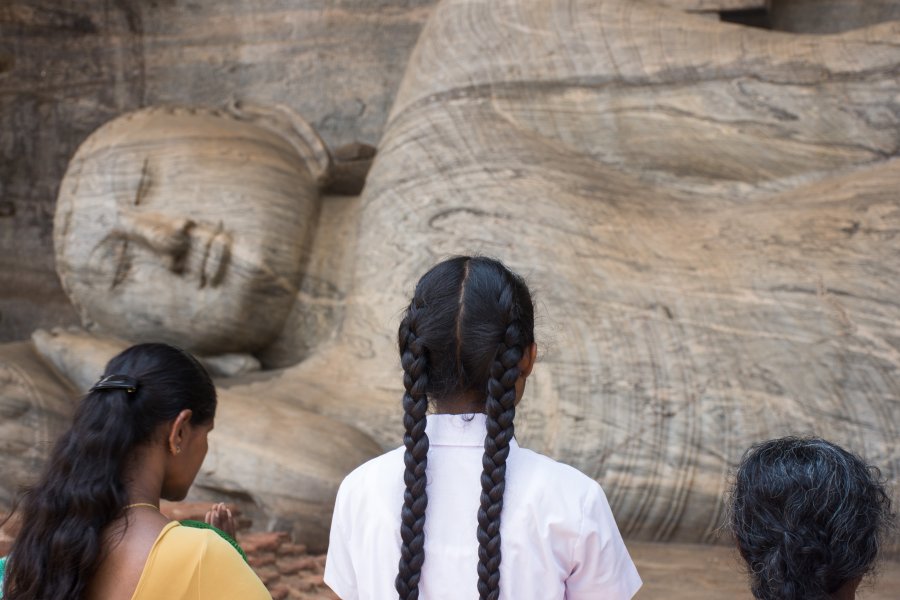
<point>711,5</point>
<point>707,215</point>
<point>185,225</point>
<point>80,357</point>
<point>830,16</point>
<point>36,406</point>
<point>65,69</point>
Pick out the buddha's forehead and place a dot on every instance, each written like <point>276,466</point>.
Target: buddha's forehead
<point>180,181</point>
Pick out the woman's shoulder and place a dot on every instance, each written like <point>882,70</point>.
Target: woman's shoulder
<point>200,540</point>
<point>181,545</point>
<point>188,547</point>
<point>186,556</point>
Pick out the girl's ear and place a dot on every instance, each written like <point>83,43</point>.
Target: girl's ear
<point>529,357</point>
<point>177,431</point>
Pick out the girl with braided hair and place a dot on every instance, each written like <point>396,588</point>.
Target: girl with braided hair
<point>460,510</point>
<point>91,526</point>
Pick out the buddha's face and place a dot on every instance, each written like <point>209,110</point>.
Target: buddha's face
<point>188,227</point>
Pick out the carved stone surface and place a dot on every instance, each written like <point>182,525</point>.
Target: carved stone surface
<point>711,5</point>
<point>36,406</point>
<point>79,356</point>
<point>706,213</point>
<point>190,226</point>
<point>67,68</point>
<point>830,16</point>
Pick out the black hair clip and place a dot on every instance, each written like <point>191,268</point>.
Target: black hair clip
<point>116,382</point>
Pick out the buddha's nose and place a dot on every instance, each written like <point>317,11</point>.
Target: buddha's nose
<point>216,256</point>
<point>168,237</point>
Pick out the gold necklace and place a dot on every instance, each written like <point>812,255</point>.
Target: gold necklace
<point>136,504</point>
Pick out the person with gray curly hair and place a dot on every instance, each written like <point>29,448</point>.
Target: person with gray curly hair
<point>808,518</point>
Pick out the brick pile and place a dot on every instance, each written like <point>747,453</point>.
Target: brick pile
<point>287,570</point>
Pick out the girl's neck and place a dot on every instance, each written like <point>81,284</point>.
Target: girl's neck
<point>461,404</point>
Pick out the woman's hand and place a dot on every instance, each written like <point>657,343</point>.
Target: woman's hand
<point>220,516</point>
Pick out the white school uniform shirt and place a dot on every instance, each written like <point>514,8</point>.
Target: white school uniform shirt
<point>558,536</point>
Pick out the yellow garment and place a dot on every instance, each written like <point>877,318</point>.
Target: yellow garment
<point>196,564</point>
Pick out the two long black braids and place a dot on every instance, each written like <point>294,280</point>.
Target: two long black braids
<point>466,330</point>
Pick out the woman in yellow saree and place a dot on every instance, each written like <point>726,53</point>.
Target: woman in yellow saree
<point>91,526</point>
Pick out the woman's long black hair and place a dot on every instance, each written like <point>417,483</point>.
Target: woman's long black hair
<point>82,488</point>
<point>808,517</point>
<point>470,322</point>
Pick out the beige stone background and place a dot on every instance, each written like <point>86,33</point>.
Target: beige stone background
<point>68,67</point>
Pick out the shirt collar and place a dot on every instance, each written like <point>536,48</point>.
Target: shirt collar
<point>458,430</point>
